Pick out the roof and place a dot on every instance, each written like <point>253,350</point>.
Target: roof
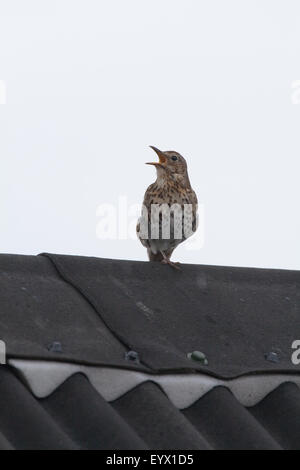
<point>76,416</point>
<point>99,355</point>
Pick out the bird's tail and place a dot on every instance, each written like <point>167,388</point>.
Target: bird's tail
<point>155,257</point>
<point>158,256</point>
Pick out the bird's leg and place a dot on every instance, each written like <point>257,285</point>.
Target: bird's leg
<point>166,260</point>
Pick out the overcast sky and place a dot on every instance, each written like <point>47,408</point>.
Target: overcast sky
<point>90,84</point>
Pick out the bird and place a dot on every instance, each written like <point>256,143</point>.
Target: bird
<point>169,210</point>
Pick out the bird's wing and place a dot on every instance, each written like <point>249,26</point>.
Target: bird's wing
<point>143,241</point>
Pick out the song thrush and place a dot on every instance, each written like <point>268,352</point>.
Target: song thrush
<point>169,214</point>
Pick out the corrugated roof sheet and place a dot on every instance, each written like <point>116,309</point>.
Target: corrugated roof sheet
<point>97,310</point>
<point>75,416</point>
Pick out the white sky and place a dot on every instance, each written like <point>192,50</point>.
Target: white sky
<point>92,83</point>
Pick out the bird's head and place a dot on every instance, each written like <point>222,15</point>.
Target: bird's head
<point>170,165</point>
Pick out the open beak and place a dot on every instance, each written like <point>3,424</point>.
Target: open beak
<point>161,156</point>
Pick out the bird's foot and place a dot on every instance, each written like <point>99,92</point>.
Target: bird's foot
<point>171,263</point>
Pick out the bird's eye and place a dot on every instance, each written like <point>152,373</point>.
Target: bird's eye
<point>174,158</point>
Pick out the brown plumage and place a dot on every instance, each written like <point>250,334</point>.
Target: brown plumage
<point>172,189</point>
